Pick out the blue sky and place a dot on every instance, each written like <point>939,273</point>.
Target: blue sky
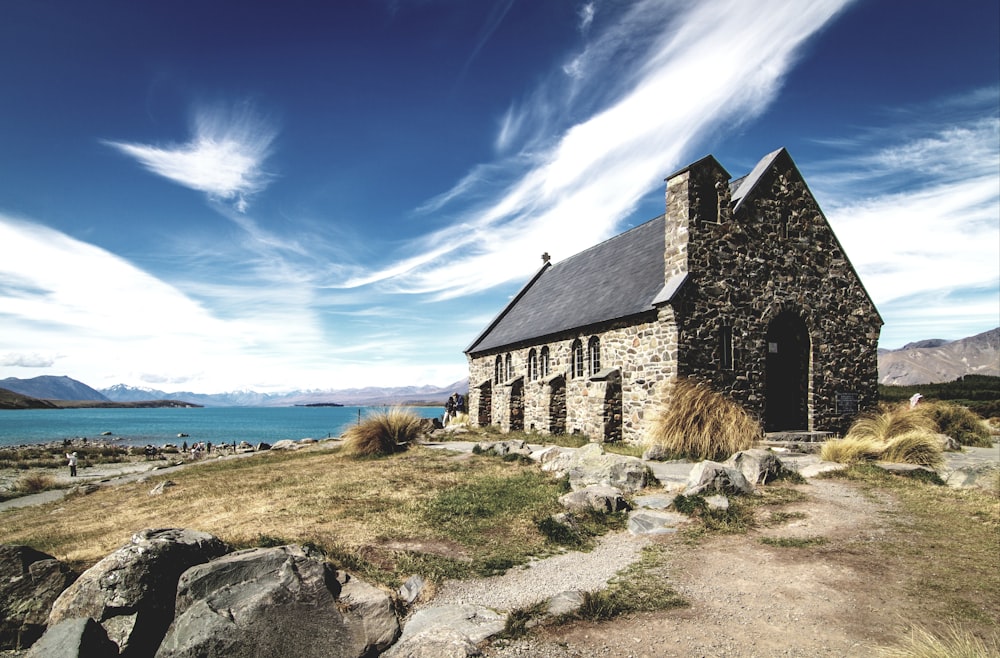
<point>209,196</point>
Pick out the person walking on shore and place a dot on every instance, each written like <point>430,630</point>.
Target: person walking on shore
<point>71,458</point>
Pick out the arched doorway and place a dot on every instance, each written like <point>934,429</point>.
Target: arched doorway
<point>786,402</point>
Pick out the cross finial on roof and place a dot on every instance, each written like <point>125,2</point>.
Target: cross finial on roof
<point>545,257</point>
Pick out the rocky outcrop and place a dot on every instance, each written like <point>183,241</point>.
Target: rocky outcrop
<point>758,466</point>
<point>131,592</point>
<point>30,582</point>
<point>597,497</point>
<point>590,465</point>
<point>713,477</point>
<point>72,637</point>
<point>277,601</point>
<point>448,631</point>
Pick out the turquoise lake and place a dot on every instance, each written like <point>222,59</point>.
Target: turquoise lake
<point>160,426</point>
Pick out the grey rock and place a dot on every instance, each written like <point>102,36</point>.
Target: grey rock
<point>757,466</point>
<point>474,623</point>
<point>30,582</point>
<point>654,501</point>
<point>984,476</point>
<point>74,637</point>
<point>656,452</point>
<point>435,643</point>
<point>649,522</point>
<point>717,501</point>
<point>709,476</point>
<point>411,590</point>
<point>598,497</point>
<point>131,591</point>
<point>564,603</point>
<point>591,465</point>
<point>161,487</point>
<point>277,602</point>
<point>285,444</point>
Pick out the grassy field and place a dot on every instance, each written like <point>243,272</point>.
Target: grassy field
<point>429,511</point>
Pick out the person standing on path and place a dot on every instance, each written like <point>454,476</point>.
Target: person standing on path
<point>71,458</point>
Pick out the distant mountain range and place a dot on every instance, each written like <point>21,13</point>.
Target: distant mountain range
<point>65,388</point>
<point>935,361</point>
<point>924,362</point>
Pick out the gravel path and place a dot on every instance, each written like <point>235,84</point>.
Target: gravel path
<point>544,578</point>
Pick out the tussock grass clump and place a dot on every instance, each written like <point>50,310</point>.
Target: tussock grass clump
<point>383,433</point>
<point>695,422</point>
<point>892,420</point>
<point>34,483</point>
<point>851,450</point>
<point>914,448</point>
<point>954,643</point>
<point>895,433</point>
<point>959,423</point>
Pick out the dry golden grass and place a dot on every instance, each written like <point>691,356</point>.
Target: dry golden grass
<point>953,643</point>
<point>383,433</point>
<point>850,450</point>
<point>914,448</point>
<point>895,433</point>
<point>697,423</point>
<point>959,423</point>
<point>406,512</point>
<point>892,420</point>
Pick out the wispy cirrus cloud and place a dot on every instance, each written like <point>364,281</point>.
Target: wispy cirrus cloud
<point>916,203</point>
<point>602,133</point>
<point>223,158</point>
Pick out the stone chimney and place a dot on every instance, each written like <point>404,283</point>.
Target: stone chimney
<point>696,195</point>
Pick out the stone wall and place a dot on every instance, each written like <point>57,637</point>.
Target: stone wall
<point>770,262</point>
<point>776,254</point>
<point>643,350</point>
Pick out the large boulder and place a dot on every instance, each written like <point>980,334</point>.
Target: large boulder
<point>597,497</point>
<point>30,582</point>
<point>76,637</point>
<point>591,465</point>
<point>713,477</point>
<point>131,591</point>
<point>447,631</point>
<point>757,466</point>
<point>279,601</point>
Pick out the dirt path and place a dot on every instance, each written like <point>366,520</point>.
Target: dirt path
<point>752,599</point>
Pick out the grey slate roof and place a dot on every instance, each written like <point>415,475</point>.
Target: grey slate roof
<point>614,279</point>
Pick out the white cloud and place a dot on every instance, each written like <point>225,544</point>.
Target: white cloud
<point>27,360</point>
<point>224,157</point>
<point>586,15</point>
<point>916,206</point>
<point>716,63</point>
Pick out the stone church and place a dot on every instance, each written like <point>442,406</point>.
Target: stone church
<point>741,285</point>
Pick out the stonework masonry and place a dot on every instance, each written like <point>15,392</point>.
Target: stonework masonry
<point>759,301</point>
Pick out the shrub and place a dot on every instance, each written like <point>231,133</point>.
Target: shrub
<point>697,423</point>
<point>34,483</point>
<point>914,448</point>
<point>890,421</point>
<point>959,423</point>
<point>383,433</point>
<point>850,450</point>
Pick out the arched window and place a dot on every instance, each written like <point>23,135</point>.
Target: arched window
<point>498,370</point>
<point>576,359</point>
<point>532,365</point>
<point>543,363</point>
<point>509,366</point>
<point>594,354</point>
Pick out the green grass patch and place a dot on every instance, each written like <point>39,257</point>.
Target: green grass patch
<point>641,587</point>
